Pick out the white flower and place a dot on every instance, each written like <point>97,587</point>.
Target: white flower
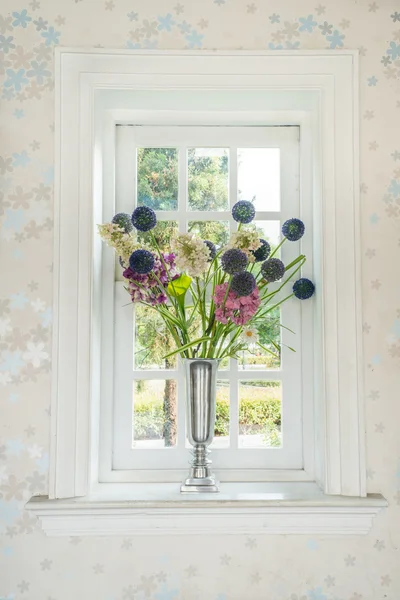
<point>123,243</point>
<point>249,335</point>
<point>35,451</point>
<point>35,354</point>
<point>38,305</point>
<point>246,240</point>
<point>5,327</point>
<point>192,254</point>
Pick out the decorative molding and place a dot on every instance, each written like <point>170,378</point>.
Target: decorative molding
<point>81,77</point>
<point>334,515</point>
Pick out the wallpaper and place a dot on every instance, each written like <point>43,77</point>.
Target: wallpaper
<point>34,567</point>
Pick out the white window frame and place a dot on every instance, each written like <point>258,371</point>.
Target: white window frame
<point>317,90</point>
<point>170,464</point>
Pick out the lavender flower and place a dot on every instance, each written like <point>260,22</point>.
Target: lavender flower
<point>243,211</point>
<point>150,287</point>
<point>124,221</point>
<point>141,261</point>
<point>293,229</point>
<point>144,218</point>
<point>303,288</point>
<point>243,283</point>
<point>262,252</point>
<point>234,261</point>
<point>272,269</point>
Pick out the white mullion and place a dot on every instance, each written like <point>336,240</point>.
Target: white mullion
<point>125,169</point>
<point>182,189</point>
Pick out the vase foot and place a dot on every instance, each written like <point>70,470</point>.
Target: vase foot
<point>205,485</point>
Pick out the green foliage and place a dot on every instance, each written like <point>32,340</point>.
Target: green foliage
<point>158,178</point>
<point>207,181</point>
<point>255,416</point>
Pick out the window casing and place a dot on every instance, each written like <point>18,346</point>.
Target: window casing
<point>294,374</point>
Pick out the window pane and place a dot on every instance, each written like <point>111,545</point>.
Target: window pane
<point>260,414</point>
<point>269,333</point>
<point>164,231</point>
<point>270,231</point>
<point>152,341</point>
<point>215,231</point>
<point>154,413</point>
<point>259,177</point>
<point>208,178</point>
<point>157,178</point>
<point>221,432</point>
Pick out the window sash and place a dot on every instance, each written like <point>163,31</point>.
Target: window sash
<point>290,455</point>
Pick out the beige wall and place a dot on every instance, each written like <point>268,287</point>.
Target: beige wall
<point>34,567</point>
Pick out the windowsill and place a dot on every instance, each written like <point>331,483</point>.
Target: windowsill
<point>258,508</point>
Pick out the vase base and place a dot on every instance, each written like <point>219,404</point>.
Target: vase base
<point>205,485</point>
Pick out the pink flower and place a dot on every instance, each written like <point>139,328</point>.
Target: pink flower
<point>237,309</point>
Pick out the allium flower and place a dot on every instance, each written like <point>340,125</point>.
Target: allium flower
<point>303,288</point>
<point>249,335</point>
<point>234,261</point>
<point>238,310</point>
<point>243,211</point>
<point>212,248</point>
<point>293,229</point>
<point>246,240</point>
<point>272,269</point>
<point>144,218</point>
<point>262,252</point>
<point>243,283</point>
<point>146,287</point>
<point>192,254</point>
<point>141,261</point>
<point>124,221</point>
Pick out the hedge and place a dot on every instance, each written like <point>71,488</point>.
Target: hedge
<point>255,416</point>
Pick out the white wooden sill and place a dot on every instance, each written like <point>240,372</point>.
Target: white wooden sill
<point>267,508</point>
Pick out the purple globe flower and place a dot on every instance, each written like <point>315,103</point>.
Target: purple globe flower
<point>243,283</point>
<point>234,261</point>
<point>212,248</point>
<point>272,269</point>
<point>262,252</point>
<point>141,261</point>
<point>144,218</point>
<point>303,288</point>
<point>243,211</point>
<point>293,229</point>
<point>124,221</point>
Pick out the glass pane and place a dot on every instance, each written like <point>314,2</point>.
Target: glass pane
<point>152,340</point>
<point>208,178</point>
<point>154,413</point>
<point>157,178</point>
<point>270,231</point>
<point>269,333</point>
<point>215,231</point>
<point>221,432</point>
<point>260,414</point>
<point>259,177</point>
<point>163,232</point>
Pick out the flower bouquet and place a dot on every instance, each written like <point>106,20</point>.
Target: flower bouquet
<point>211,299</point>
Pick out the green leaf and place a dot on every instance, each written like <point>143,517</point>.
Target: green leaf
<point>179,286</point>
<point>189,345</point>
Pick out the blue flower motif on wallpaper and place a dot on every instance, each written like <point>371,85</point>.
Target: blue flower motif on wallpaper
<point>145,36</point>
<point>28,74</point>
<point>300,28</point>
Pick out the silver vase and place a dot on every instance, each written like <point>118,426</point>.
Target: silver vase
<point>201,390</point>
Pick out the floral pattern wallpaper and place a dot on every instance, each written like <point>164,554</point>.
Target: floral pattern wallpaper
<point>34,567</point>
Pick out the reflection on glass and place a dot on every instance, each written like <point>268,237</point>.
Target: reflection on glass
<point>152,340</point>
<point>259,177</point>
<point>164,231</point>
<point>260,414</point>
<point>154,414</point>
<point>269,336</point>
<point>215,231</point>
<point>221,431</point>
<point>208,178</point>
<point>157,178</point>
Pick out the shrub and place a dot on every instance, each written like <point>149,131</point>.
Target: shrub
<point>254,415</point>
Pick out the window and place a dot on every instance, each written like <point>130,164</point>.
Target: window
<point>192,176</point>
<point>95,91</point>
